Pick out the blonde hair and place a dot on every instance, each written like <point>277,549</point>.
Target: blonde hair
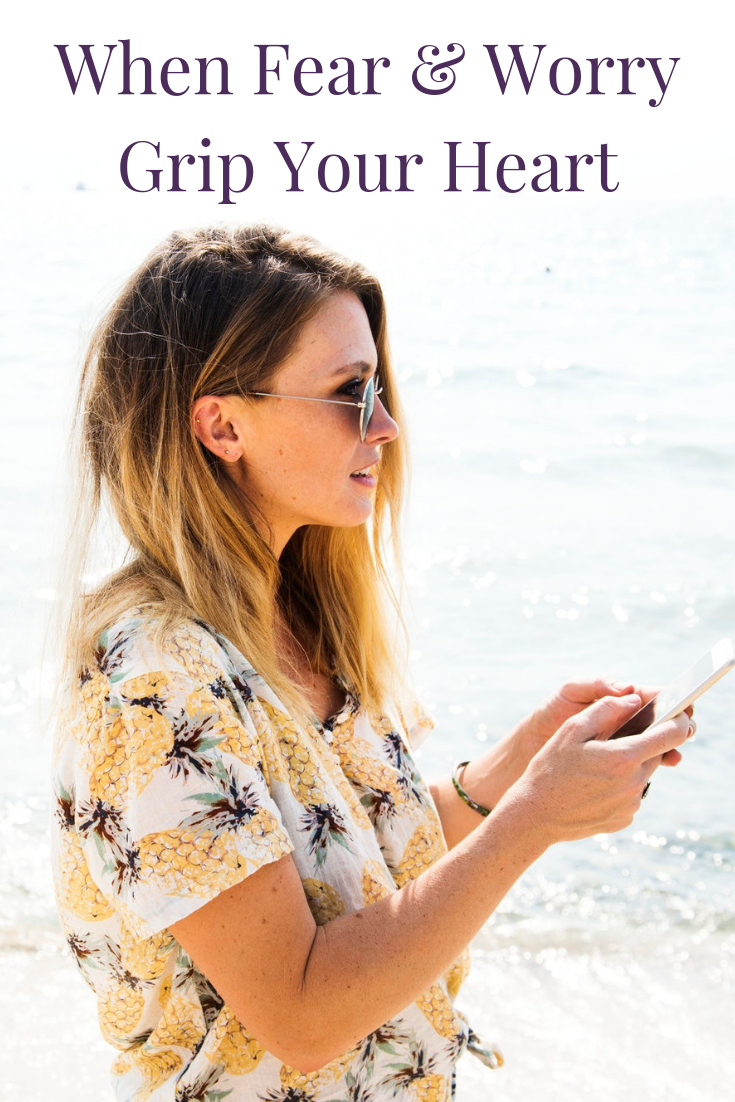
<point>217,311</point>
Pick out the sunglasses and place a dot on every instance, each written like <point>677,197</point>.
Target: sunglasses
<point>366,405</point>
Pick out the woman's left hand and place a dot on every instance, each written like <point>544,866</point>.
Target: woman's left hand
<point>573,697</point>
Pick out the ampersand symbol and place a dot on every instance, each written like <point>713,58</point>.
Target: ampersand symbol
<point>441,72</point>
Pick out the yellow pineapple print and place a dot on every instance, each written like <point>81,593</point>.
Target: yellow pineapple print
<point>345,789</point>
<point>374,882</point>
<point>204,863</point>
<point>155,1069</point>
<point>266,833</point>
<point>152,746</point>
<point>127,914</point>
<point>361,765</point>
<point>119,1010</point>
<point>324,901</point>
<point>229,1044</point>
<point>419,1079</point>
<point>274,767</point>
<point>76,889</point>
<point>122,1064</point>
<point>188,646</point>
<point>146,686</point>
<point>301,765</point>
<point>435,1006</point>
<point>315,1081</point>
<point>380,724</point>
<point>292,758</point>
<point>107,763</point>
<point>458,973</point>
<point>182,1024</point>
<point>164,992</point>
<point>425,846</point>
<point>124,755</point>
<point>145,957</point>
<point>91,707</point>
<point>235,738</point>
<point>429,1088</point>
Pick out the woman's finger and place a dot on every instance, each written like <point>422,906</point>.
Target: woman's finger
<point>585,691</point>
<point>657,740</point>
<point>647,692</point>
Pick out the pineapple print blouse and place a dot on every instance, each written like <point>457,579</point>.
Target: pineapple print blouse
<point>181,774</point>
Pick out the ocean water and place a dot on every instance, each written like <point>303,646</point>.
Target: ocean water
<point>570,401</point>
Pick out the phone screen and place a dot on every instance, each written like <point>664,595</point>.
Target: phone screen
<point>680,693</point>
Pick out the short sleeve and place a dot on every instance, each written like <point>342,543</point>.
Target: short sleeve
<point>416,721</point>
<point>173,804</point>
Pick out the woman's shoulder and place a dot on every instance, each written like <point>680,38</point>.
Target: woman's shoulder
<point>151,662</point>
<point>150,638</point>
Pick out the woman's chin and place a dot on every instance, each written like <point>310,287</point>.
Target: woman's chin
<point>354,514</point>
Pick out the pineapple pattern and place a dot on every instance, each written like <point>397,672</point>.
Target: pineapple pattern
<point>182,1024</point>
<point>312,1084</point>
<point>179,775</point>
<point>376,883</point>
<point>418,1077</point>
<point>120,1008</point>
<point>425,846</point>
<point>230,1047</point>
<point>325,902</point>
<point>458,973</point>
<point>435,1004</point>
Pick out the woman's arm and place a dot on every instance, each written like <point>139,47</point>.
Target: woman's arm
<point>489,776</point>
<point>310,993</point>
<point>486,779</point>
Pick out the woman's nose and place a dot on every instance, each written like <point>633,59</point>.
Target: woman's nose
<point>382,428</point>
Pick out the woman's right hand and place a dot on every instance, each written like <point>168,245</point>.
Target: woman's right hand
<point>582,782</point>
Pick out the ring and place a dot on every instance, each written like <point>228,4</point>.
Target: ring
<point>644,793</point>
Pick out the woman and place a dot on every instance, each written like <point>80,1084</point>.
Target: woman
<point>267,898</point>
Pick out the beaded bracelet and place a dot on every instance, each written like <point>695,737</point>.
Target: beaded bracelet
<point>464,795</point>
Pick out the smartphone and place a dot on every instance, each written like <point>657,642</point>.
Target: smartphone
<point>684,691</point>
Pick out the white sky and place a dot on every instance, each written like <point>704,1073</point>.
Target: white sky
<point>677,151</point>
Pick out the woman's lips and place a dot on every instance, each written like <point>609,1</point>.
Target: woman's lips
<point>365,476</point>
<point>364,479</point>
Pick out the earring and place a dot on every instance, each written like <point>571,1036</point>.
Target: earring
<point>227,451</point>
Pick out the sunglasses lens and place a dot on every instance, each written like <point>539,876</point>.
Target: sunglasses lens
<point>367,412</point>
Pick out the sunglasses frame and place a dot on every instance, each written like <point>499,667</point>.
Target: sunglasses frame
<point>373,382</point>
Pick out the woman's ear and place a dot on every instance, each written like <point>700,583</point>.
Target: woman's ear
<point>217,424</point>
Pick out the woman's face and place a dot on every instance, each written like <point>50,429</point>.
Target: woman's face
<point>297,460</point>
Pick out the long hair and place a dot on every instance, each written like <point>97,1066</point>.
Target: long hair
<point>217,311</point>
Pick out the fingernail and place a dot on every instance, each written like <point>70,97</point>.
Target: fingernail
<point>633,701</point>
<point>690,732</point>
<point>621,686</point>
